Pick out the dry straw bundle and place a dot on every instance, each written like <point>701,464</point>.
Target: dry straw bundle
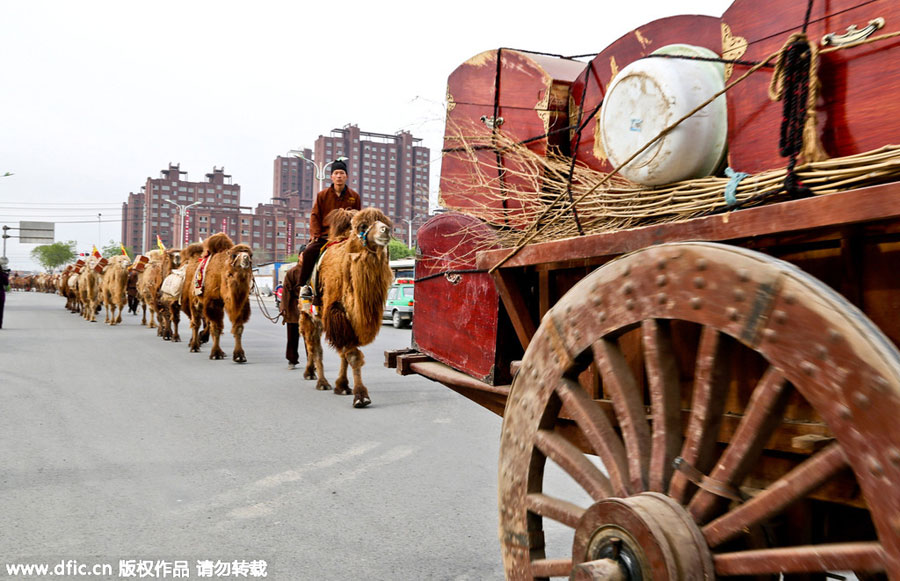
<point>534,193</point>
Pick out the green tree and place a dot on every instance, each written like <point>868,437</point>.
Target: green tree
<point>400,250</point>
<point>113,249</point>
<point>52,255</point>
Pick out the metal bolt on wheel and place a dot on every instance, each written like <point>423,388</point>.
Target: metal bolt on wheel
<point>733,401</point>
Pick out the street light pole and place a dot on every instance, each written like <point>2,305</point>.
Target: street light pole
<point>182,209</point>
<point>320,169</point>
<point>99,241</point>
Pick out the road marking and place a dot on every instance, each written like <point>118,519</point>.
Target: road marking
<point>268,507</point>
<point>252,489</point>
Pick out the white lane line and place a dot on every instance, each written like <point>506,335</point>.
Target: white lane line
<point>249,491</point>
<point>268,507</point>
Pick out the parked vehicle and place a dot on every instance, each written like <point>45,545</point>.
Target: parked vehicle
<point>399,305</point>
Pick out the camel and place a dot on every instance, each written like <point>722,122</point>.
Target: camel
<point>161,264</point>
<point>112,288</point>
<point>191,260</point>
<point>88,286</point>
<point>352,282</point>
<point>63,286</point>
<point>226,288</point>
<point>172,292</point>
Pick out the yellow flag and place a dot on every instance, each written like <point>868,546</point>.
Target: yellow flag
<point>96,253</point>
<point>160,244</point>
<point>124,252</point>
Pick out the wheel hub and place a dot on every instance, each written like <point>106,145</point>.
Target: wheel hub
<point>643,537</point>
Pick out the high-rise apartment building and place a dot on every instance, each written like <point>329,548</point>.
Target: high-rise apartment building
<point>390,172</point>
<point>156,211</point>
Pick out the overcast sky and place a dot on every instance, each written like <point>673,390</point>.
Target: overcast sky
<point>97,96</point>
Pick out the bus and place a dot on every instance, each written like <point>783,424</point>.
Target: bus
<point>403,268</point>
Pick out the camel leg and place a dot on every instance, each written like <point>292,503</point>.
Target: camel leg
<point>238,356</point>
<point>215,316</point>
<point>341,384</point>
<point>119,313</point>
<point>311,329</point>
<point>215,331</point>
<point>237,330</point>
<point>195,330</point>
<point>360,393</point>
<point>144,317</point>
<point>106,308</point>
<point>165,330</point>
<point>176,318</point>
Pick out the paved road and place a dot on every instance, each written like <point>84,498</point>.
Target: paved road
<point>117,445</point>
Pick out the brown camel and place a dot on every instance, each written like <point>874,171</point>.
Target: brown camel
<point>63,286</point>
<point>89,290</point>
<point>160,265</point>
<point>112,288</point>
<point>172,292</point>
<point>191,259</point>
<point>353,281</point>
<point>227,281</point>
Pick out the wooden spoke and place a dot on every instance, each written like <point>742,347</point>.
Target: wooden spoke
<point>665,401</point>
<point>574,462</point>
<point>762,416</point>
<point>627,400</point>
<point>559,510</point>
<point>707,404</point>
<point>791,487</point>
<point>551,568</point>
<point>598,431</point>
<point>857,557</point>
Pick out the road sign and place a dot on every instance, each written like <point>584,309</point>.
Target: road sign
<point>36,232</point>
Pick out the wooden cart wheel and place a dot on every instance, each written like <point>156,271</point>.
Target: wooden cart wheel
<point>697,352</point>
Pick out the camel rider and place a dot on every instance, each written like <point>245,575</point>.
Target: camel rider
<point>337,195</point>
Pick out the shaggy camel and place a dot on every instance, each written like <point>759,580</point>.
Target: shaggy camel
<point>63,285</point>
<point>191,260</point>
<point>353,281</point>
<point>74,300</point>
<point>226,288</point>
<point>89,290</point>
<point>160,265</point>
<point>172,292</point>
<point>112,288</point>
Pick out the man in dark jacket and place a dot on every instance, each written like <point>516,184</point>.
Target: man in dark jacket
<point>290,310</point>
<point>4,282</point>
<point>337,195</point>
<point>131,290</point>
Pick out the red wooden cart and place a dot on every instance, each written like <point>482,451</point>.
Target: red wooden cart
<point>724,390</point>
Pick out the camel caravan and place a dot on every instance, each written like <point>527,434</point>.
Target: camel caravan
<point>209,280</point>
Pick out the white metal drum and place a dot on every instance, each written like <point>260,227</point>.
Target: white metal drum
<point>650,94</point>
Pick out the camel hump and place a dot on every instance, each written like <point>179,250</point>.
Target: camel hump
<point>219,242</point>
<point>193,250</point>
<point>339,221</point>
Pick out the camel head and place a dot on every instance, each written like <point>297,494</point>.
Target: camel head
<point>372,228</point>
<point>241,257</point>
<point>120,261</point>
<point>174,257</point>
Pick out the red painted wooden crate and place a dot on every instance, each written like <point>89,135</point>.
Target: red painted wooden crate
<point>532,102</point>
<point>858,109</point>
<point>458,319</point>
